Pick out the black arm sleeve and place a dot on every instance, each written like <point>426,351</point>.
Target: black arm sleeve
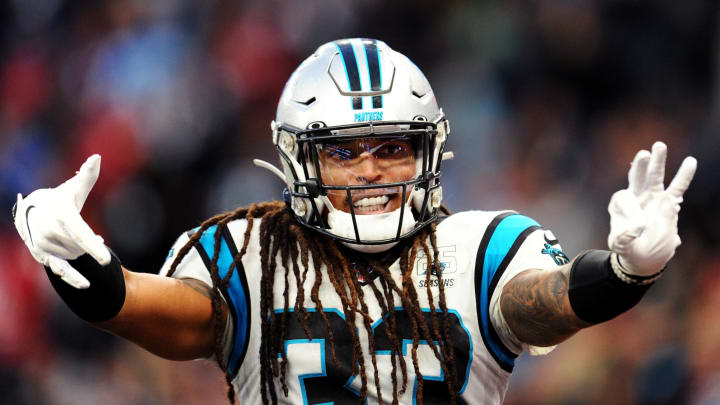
<point>106,294</point>
<point>596,294</point>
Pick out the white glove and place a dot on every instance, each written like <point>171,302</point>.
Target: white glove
<point>643,217</point>
<point>49,222</point>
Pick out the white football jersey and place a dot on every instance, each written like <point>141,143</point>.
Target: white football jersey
<point>479,252</point>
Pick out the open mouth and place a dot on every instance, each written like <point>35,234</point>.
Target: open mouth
<point>372,205</point>
<point>375,203</point>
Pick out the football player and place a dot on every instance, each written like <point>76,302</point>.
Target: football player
<point>360,287</point>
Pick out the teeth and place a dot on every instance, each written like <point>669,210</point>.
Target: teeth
<point>372,201</point>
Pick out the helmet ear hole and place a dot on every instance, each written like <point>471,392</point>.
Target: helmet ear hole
<point>420,118</point>
<point>316,125</point>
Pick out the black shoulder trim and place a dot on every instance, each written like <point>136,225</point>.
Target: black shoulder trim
<point>243,280</point>
<point>479,264</point>
<point>241,273</point>
<point>203,254</point>
<point>496,278</point>
<point>510,255</point>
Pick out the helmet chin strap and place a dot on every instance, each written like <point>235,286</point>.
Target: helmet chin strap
<point>370,227</point>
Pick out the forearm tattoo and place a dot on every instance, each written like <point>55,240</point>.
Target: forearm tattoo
<point>535,305</point>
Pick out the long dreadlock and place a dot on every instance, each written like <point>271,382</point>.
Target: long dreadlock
<point>281,235</point>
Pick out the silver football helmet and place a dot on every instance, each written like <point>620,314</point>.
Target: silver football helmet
<point>356,98</point>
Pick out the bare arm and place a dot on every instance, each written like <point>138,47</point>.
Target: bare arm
<point>169,317</point>
<point>536,306</point>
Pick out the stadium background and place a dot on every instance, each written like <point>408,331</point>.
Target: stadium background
<point>548,102</point>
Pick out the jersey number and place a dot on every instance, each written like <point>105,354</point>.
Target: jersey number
<point>322,381</point>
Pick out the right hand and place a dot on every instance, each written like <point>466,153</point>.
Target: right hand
<point>644,217</point>
<point>49,222</point>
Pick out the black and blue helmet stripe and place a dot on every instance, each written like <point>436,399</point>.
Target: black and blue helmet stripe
<point>374,72</point>
<point>352,70</point>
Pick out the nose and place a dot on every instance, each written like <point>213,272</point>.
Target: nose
<point>367,170</point>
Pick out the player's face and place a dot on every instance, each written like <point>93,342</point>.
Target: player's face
<point>367,161</point>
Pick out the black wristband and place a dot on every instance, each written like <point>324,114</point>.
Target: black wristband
<point>106,294</point>
<point>596,294</point>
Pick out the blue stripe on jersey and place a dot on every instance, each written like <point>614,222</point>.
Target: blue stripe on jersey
<point>500,240</point>
<point>236,292</point>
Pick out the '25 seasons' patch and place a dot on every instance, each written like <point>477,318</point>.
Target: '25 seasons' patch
<point>447,269</point>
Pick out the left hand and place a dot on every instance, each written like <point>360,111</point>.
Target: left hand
<point>643,217</point>
<point>49,222</point>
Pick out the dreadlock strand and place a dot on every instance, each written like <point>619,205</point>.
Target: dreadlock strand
<point>300,310</point>
<point>433,314</point>
<point>367,323</point>
<point>343,284</point>
<point>411,308</point>
<point>390,288</point>
<point>383,312</point>
<point>411,294</point>
<point>290,260</point>
<point>386,301</point>
<point>315,296</point>
<point>192,242</point>
<point>216,303</point>
<point>348,309</point>
<point>284,253</point>
<point>391,333</point>
<point>273,253</point>
<point>442,343</point>
<point>448,342</point>
<point>248,215</point>
<point>266,293</point>
<point>353,284</point>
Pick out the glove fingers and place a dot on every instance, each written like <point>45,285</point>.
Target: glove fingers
<point>627,220</point>
<point>67,273</point>
<point>637,176</point>
<point>86,239</point>
<point>656,167</point>
<point>54,246</point>
<point>79,186</point>
<point>682,179</point>
<point>625,209</point>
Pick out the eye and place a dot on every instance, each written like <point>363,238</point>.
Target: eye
<point>394,150</point>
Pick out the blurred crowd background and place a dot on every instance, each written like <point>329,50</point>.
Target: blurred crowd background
<point>548,100</point>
